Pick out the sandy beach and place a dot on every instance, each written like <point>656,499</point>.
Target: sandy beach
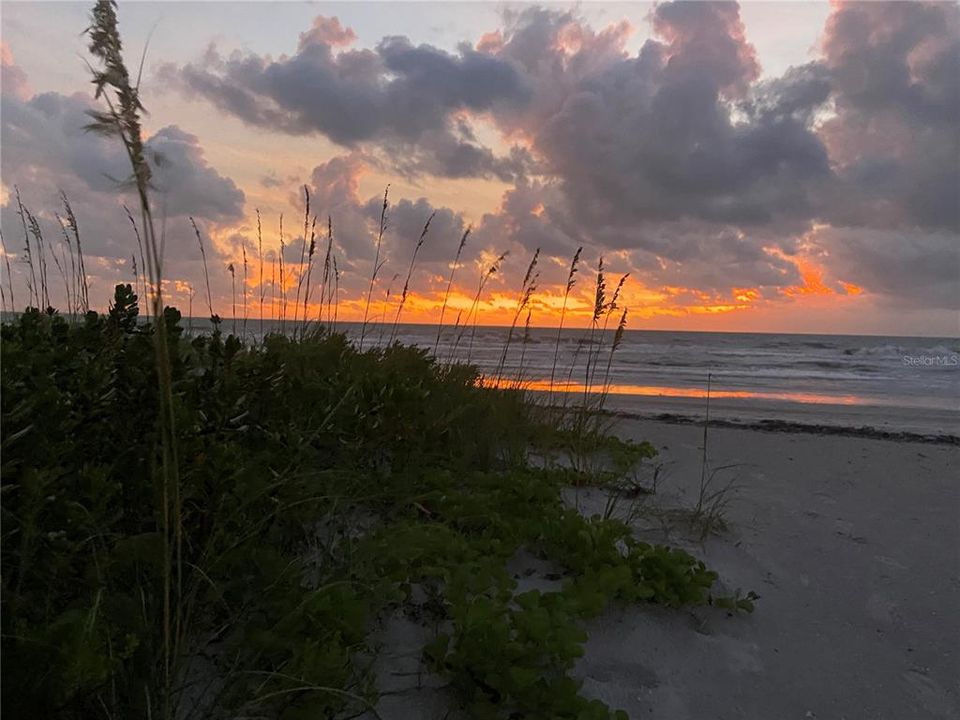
<point>852,544</point>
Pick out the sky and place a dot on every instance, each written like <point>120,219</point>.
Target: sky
<point>760,167</point>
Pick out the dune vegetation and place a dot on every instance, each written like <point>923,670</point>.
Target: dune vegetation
<point>209,526</point>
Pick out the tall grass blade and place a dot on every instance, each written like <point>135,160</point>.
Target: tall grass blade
<point>446,294</point>
<point>376,264</point>
<point>303,249</point>
<point>406,283</point>
<point>243,248</point>
<point>6,260</point>
<point>32,276</point>
<point>84,288</point>
<point>122,120</point>
<point>260,252</point>
<point>526,291</point>
<point>571,281</point>
<point>206,274</point>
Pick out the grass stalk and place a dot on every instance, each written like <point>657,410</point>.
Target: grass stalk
<point>406,283</point>
<point>446,294</point>
<point>44,295</point>
<point>63,274</point>
<point>475,306</point>
<point>233,295</point>
<point>283,287</point>
<point>336,291</point>
<point>327,269</point>
<point>526,292</point>
<point>599,305</point>
<point>123,120</point>
<point>571,281</point>
<point>143,262</point>
<point>28,257</point>
<point>303,249</point>
<point>703,458</point>
<point>274,309</point>
<point>260,252</point>
<point>243,248</point>
<point>611,306</point>
<point>376,264</point>
<point>523,349</point>
<point>385,305</point>
<point>72,285</point>
<point>206,274</point>
<point>6,260</point>
<point>306,293</point>
<point>83,286</point>
<point>617,340</point>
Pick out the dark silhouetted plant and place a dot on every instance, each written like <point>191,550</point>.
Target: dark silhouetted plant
<point>376,263</point>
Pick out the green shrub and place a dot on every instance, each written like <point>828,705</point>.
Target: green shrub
<point>319,486</point>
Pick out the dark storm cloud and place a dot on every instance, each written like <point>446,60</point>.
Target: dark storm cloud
<point>399,93</point>
<point>450,155</point>
<point>708,257</point>
<point>896,134</point>
<point>914,268</point>
<point>653,137</point>
<point>681,153</point>
<point>185,181</point>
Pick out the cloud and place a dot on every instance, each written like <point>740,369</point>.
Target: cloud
<point>185,181</point>
<point>654,137</point>
<point>681,160</point>
<point>910,268</point>
<point>710,178</point>
<point>895,137</point>
<point>399,94</point>
<point>46,150</point>
<point>12,77</point>
<point>714,179</point>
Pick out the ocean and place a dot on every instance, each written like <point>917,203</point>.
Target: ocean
<point>896,384</point>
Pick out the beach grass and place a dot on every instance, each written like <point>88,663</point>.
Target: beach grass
<point>319,486</point>
<point>201,526</point>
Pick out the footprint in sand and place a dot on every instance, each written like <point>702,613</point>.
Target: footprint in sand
<point>825,498</point>
<point>889,562</point>
<point>930,696</point>
<point>845,529</point>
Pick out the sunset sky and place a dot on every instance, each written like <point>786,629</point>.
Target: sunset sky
<point>775,167</point>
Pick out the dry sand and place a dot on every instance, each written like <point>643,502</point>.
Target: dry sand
<point>854,546</point>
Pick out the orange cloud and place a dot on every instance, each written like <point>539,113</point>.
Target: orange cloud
<point>812,277</point>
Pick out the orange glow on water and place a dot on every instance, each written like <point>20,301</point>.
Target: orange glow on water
<point>684,392</point>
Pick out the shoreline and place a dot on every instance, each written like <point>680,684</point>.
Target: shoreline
<point>790,426</point>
